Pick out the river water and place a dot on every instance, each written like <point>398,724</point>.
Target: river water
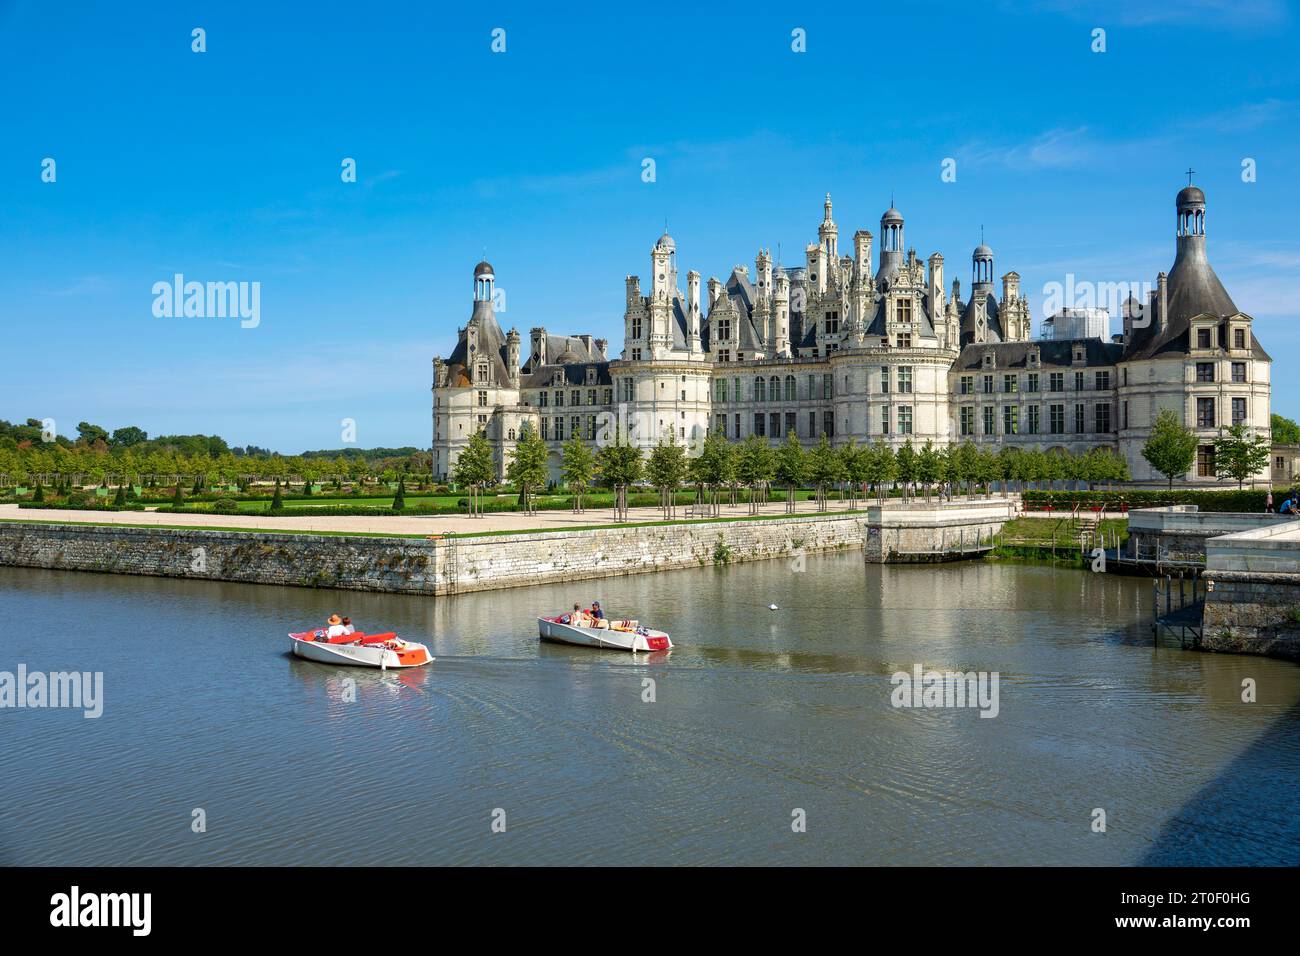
<point>770,737</point>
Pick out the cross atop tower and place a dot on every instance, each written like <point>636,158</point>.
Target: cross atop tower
<point>1190,173</point>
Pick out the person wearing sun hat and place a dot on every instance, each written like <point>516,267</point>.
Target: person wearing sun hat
<point>336,628</point>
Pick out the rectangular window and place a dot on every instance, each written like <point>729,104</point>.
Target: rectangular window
<point>774,425</point>
<point>1103,381</point>
<point>1078,418</point>
<point>482,399</point>
<point>1101,417</point>
<point>1031,382</point>
<point>1205,371</point>
<point>1010,420</point>
<point>1238,411</point>
<point>967,384</point>
<point>826,385</point>
<point>559,399</point>
<point>737,423</point>
<point>1239,371</point>
<point>544,399</point>
<point>1008,383</point>
<point>546,428</point>
<point>904,419</point>
<point>884,420</point>
<point>575,426</point>
<point>722,424</point>
<point>832,323</point>
<point>988,384</point>
<point>609,396</point>
<point>559,429</point>
<point>1056,419</point>
<point>1238,338</point>
<point>1031,419</point>
<point>759,424</point>
<point>791,423</point>
<point>905,379</point>
<point>968,420</point>
<point>828,424</point>
<point>884,379</point>
<point>1203,338</point>
<point>1205,461</point>
<point>988,420</point>
<point>1205,413</point>
<point>903,310</point>
<point>1078,381</point>
<point>812,424</point>
<point>576,397</point>
<point>1056,382</point>
<point>591,396</point>
<point>904,340</point>
<point>1123,414</point>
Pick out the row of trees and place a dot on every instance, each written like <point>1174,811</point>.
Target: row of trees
<point>1239,453</point>
<point>85,465</point>
<point>724,467</point>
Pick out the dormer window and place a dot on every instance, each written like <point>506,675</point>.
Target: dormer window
<point>1033,358</point>
<point>988,359</point>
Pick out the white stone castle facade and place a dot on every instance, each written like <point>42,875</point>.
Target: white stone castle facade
<point>852,349</point>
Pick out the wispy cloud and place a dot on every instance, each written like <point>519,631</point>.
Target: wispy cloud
<point>1218,14</point>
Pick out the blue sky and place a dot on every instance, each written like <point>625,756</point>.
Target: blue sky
<point>225,166</point>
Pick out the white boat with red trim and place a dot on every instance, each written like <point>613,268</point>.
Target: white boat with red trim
<point>618,635</point>
<point>384,651</point>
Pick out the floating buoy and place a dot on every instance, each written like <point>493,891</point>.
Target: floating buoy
<point>772,607</point>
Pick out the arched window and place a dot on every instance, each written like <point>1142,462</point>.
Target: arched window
<point>774,389</point>
<point>760,389</point>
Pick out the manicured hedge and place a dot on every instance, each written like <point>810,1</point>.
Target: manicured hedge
<point>66,506</point>
<point>1218,501</point>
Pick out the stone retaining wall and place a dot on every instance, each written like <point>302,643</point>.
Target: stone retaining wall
<point>420,566</point>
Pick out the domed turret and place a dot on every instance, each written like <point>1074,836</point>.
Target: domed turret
<point>484,277</point>
<point>982,266</point>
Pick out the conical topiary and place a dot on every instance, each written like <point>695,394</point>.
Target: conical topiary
<point>399,501</point>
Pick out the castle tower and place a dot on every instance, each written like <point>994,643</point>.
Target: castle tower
<point>663,258</point>
<point>934,289</point>
<point>828,233</point>
<point>693,311</point>
<point>981,262</point>
<point>891,243</point>
<point>781,315</point>
<point>512,357</point>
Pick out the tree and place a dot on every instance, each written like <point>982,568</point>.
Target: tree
<point>126,437</point>
<point>619,465</point>
<point>577,469</point>
<point>178,498</point>
<point>857,468</point>
<point>399,499</point>
<point>90,434</point>
<point>528,465</point>
<point>881,468</point>
<point>929,467</point>
<point>277,501</point>
<point>715,466</point>
<point>791,468</point>
<point>1240,454</point>
<point>1171,447</point>
<point>825,467</point>
<point>905,461</point>
<point>1285,430</point>
<point>666,470</point>
<point>474,469</point>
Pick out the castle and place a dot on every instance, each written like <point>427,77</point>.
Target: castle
<point>842,349</point>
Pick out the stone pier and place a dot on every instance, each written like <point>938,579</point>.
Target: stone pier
<point>1252,604</point>
<point>901,532</point>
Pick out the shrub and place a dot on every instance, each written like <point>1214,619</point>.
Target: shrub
<point>1214,501</point>
<point>225,506</point>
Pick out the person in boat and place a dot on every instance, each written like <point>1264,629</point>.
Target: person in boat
<point>597,615</point>
<point>578,617</point>
<point>335,628</point>
<point>347,626</point>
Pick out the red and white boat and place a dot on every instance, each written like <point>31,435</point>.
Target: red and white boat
<point>360,650</point>
<point>620,635</point>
